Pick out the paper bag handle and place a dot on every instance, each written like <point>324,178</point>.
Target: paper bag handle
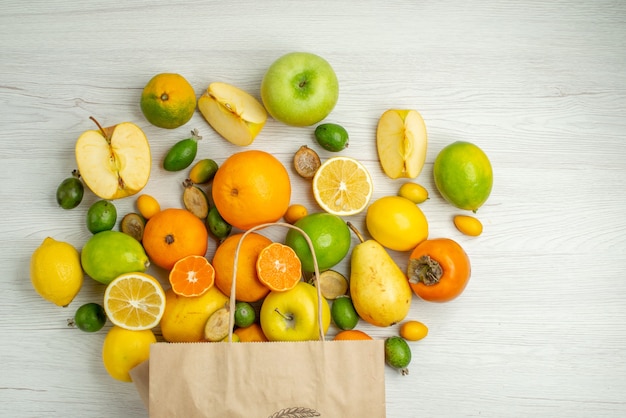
<point>234,284</point>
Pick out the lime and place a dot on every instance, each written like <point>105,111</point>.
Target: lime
<point>463,175</point>
<point>101,216</point>
<point>343,313</point>
<point>245,314</point>
<point>182,154</point>
<point>398,354</point>
<point>70,192</point>
<point>90,317</point>
<point>331,137</point>
<point>217,225</point>
<point>330,236</point>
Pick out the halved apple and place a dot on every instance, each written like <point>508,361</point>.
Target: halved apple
<point>401,143</point>
<point>232,112</point>
<point>114,162</point>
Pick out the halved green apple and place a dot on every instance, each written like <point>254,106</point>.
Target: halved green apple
<point>114,162</point>
<point>401,143</point>
<point>233,113</point>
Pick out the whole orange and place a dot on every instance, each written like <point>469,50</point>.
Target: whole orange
<point>251,188</point>
<point>248,286</point>
<point>173,234</point>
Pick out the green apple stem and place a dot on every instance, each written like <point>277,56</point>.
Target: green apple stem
<point>287,317</point>
<point>356,231</point>
<point>424,270</point>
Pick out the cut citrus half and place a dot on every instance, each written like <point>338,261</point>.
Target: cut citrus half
<point>278,267</point>
<point>342,186</point>
<point>192,276</point>
<point>134,301</point>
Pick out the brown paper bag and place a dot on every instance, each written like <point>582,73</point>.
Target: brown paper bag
<point>267,379</point>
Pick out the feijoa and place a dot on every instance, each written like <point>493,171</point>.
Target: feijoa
<point>101,216</point>
<point>203,171</point>
<point>195,200</point>
<point>343,313</point>
<point>398,354</point>
<point>218,227</point>
<point>133,224</point>
<point>90,317</point>
<point>182,154</point>
<point>70,192</point>
<point>331,137</point>
<point>306,162</point>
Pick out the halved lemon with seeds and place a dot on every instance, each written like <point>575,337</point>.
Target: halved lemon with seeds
<point>134,301</point>
<point>342,186</point>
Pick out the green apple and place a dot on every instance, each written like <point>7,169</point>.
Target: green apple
<point>292,315</point>
<point>300,89</point>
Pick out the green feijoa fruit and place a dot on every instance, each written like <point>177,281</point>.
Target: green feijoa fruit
<point>70,191</point>
<point>133,224</point>
<point>101,216</point>
<point>217,225</point>
<point>195,200</point>
<point>398,354</point>
<point>245,314</point>
<point>331,137</point>
<point>343,313</point>
<point>182,154</point>
<point>90,317</point>
<point>203,171</point>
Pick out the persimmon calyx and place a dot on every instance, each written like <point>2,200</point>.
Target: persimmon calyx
<point>424,270</point>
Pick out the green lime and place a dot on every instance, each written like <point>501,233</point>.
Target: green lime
<point>217,225</point>
<point>331,137</point>
<point>330,236</point>
<point>244,314</point>
<point>101,216</point>
<point>343,313</point>
<point>398,354</point>
<point>463,175</point>
<point>182,154</point>
<point>90,317</point>
<point>70,191</point>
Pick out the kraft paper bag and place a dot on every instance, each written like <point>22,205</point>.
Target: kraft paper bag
<point>267,379</point>
<point>332,379</point>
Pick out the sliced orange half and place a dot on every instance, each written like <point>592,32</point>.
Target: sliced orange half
<point>134,301</point>
<point>192,276</point>
<point>342,186</point>
<point>278,267</point>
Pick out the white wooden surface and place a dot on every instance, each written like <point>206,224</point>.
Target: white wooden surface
<point>540,86</point>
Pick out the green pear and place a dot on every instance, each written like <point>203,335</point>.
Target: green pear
<point>380,290</point>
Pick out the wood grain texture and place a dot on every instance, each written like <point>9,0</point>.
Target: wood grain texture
<point>540,86</point>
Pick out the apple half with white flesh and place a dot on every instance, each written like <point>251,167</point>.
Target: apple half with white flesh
<point>401,142</point>
<point>233,113</point>
<point>114,162</point>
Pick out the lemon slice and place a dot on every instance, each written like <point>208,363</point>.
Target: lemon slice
<point>134,301</point>
<point>342,186</point>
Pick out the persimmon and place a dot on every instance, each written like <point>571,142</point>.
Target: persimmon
<point>438,270</point>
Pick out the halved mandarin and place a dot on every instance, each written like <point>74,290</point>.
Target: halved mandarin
<point>192,276</point>
<point>278,267</point>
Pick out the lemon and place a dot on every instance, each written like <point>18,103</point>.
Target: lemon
<point>463,175</point>
<point>55,271</point>
<point>124,349</point>
<point>396,223</point>
<point>168,100</point>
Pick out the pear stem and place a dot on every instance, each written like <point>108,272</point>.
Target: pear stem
<point>356,231</point>
<point>98,125</point>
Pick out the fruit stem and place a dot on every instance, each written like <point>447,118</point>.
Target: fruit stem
<point>98,125</point>
<point>195,135</point>
<point>287,317</point>
<point>356,231</point>
<point>424,270</point>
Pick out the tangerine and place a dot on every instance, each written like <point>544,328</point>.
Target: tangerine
<point>168,100</point>
<point>278,267</point>
<point>248,286</point>
<point>173,234</point>
<point>351,334</point>
<point>192,276</point>
<point>251,188</point>
<point>252,333</point>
